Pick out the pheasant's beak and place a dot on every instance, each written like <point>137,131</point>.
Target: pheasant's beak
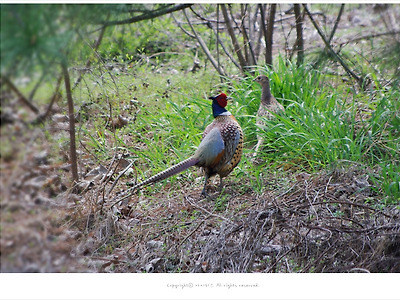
<point>215,97</point>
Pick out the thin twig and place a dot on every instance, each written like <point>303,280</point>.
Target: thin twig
<point>336,23</point>
<point>334,54</point>
<point>205,48</point>
<point>71,116</point>
<point>205,210</point>
<point>369,36</point>
<point>119,176</point>
<point>88,62</point>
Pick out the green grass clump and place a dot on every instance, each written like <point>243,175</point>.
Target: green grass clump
<point>325,122</point>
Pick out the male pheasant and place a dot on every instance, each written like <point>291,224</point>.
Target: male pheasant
<point>219,152</point>
<point>268,104</point>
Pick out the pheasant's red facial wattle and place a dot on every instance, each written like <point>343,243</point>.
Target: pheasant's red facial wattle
<point>222,100</point>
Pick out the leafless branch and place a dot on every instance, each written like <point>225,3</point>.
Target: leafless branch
<point>251,59</point>
<point>329,47</point>
<point>19,94</point>
<point>369,36</point>
<point>205,48</point>
<point>148,15</point>
<point>88,62</point>
<point>54,98</point>
<point>181,27</point>
<point>336,23</point>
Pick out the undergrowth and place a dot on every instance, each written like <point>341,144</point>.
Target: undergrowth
<point>326,121</point>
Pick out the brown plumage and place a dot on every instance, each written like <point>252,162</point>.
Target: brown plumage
<point>268,104</point>
<point>219,152</point>
<point>227,128</point>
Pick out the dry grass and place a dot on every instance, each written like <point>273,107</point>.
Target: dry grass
<point>321,223</point>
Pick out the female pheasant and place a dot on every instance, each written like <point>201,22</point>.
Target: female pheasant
<point>219,152</point>
<point>268,104</point>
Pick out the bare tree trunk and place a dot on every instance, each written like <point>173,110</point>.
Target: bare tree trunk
<point>270,32</point>
<point>259,33</point>
<point>263,8</point>
<point>71,115</point>
<point>299,31</point>
<point>235,42</point>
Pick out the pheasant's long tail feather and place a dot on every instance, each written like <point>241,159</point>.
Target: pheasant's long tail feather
<point>182,166</point>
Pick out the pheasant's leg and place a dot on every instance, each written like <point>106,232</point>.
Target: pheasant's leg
<point>204,192</point>
<point>220,184</point>
<point>259,143</point>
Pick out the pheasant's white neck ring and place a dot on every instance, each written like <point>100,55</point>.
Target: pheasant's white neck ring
<point>226,113</point>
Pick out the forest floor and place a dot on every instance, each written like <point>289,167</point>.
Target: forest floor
<point>322,222</point>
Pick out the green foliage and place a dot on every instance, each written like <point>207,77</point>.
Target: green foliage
<point>33,35</point>
<point>386,181</point>
<point>130,43</point>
